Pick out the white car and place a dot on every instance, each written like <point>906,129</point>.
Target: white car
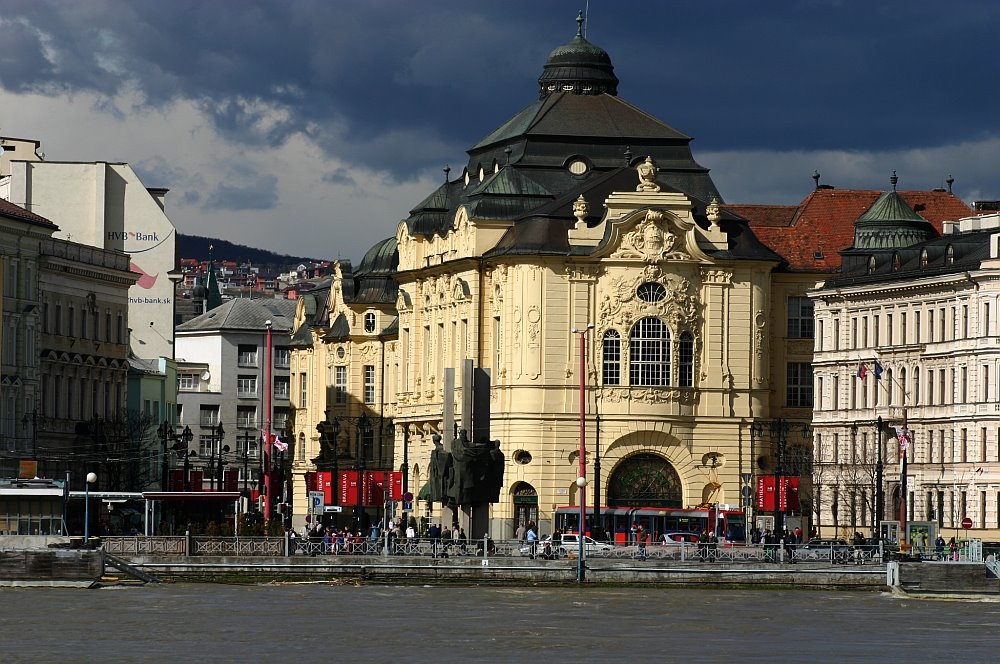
<point>568,543</point>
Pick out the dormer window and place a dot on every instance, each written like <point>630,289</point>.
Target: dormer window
<point>369,323</point>
<point>949,255</point>
<point>871,265</point>
<point>895,261</point>
<point>923,258</point>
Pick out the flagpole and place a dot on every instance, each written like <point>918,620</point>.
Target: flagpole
<point>267,421</point>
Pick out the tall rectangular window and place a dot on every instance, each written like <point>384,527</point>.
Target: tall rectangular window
<point>282,387</point>
<point>246,417</point>
<point>800,385</point>
<point>246,386</point>
<point>303,390</point>
<point>369,378</point>
<point>800,318</point>
<point>902,328</point>
<point>864,331</point>
<point>247,355</point>
<point>208,416</point>
<point>986,383</point>
<point>854,332</point>
<point>58,320</point>
<point>985,327</point>
<point>888,329</point>
<point>942,325</point>
<point>965,321</point>
<point>340,384</point>
<point>611,366</point>
<point>282,357</point>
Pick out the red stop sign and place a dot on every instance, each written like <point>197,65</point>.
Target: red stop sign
<point>966,523</point>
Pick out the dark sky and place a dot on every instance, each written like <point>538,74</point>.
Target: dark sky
<point>312,127</point>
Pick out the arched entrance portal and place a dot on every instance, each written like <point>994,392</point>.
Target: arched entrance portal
<point>525,505</point>
<point>645,480</point>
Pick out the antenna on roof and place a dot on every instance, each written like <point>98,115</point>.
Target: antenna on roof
<point>586,16</point>
<point>950,181</point>
<point>893,180</point>
<point>815,177</point>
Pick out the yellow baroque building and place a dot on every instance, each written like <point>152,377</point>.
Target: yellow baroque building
<point>581,210</point>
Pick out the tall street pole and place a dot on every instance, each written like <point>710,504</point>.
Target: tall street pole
<point>269,347</point>
<point>581,478</point>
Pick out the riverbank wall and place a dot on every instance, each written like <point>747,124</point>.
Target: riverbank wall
<point>507,571</point>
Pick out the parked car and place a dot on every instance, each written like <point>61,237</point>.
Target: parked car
<point>836,550</point>
<point>566,544</point>
<point>677,539</point>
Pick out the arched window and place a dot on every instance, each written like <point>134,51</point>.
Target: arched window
<point>611,371</point>
<point>651,292</point>
<point>685,360</point>
<point>923,258</point>
<point>369,322</point>
<point>916,386</point>
<point>895,261</point>
<point>871,265</point>
<point>649,353</point>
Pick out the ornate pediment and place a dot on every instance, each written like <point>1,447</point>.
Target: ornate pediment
<point>652,235</point>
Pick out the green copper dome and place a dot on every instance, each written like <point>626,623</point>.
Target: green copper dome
<point>890,223</point>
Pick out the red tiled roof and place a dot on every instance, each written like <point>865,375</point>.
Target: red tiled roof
<point>809,235</point>
<point>8,209</point>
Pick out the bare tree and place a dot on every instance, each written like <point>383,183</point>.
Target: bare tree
<point>124,449</point>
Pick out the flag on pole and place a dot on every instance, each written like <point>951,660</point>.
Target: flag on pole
<point>878,371</point>
<point>280,444</point>
<point>862,370</point>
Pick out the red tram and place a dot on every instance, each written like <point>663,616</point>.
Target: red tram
<point>616,522</point>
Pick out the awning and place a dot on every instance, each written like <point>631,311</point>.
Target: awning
<point>425,492</point>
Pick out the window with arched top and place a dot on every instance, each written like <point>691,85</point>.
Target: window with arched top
<point>923,258</point>
<point>651,292</point>
<point>649,353</point>
<point>871,265</point>
<point>685,360</point>
<point>895,261</point>
<point>369,322</point>
<point>611,366</point>
<point>949,255</point>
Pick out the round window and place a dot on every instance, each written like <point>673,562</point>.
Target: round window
<point>340,352</point>
<point>522,457</point>
<point>578,167</point>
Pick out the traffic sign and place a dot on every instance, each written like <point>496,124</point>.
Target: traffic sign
<point>408,506</point>
<point>316,502</point>
<point>408,497</point>
<point>967,523</point>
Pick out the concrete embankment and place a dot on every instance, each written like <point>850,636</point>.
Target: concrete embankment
<point>948,580</point>
<point>50,567</point>
<point>468,570</point>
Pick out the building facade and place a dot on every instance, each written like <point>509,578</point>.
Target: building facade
<point>907,339</point>
<point>221,382</point>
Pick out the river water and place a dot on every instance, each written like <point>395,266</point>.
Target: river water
<point>322,622</point>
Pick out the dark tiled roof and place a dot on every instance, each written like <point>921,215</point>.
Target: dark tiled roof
<point>244,314</point>
<point>8,209</point>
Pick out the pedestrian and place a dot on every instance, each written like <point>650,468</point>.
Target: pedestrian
<point>939,548</point>
<point>532,538</point>
<point>953,548</point>
<point>462,539</point>
<point>519,534</point>
<point>445,541</point>
<point>640,538</point>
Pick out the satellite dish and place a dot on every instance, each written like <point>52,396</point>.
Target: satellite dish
<point>206,374</point>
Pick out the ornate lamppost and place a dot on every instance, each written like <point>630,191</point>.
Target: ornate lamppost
<point>217,434</point>
<point>581,480</point>
<point>363,430</point>
<point>181,448</point>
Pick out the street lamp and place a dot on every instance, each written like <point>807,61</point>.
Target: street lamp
<point>779,433</point>
<point>581,481</point>
<point>91,478</point>
<point>165,432</point>
<point>879,470</point>
<point>364,428</point>
<point>598,523</point>
<point>247,439</point>
<point>34,419</point>
<point>181,448</point>
<point>217,434</point>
